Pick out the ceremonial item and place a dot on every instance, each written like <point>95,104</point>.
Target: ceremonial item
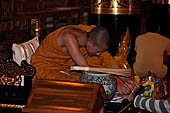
<point>120,72</point>
<point>107,80</point>
<point>123,50</point>
<point>15,83</point>
<point>154,87</point>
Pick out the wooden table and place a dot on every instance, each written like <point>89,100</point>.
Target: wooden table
<point>66,97</point>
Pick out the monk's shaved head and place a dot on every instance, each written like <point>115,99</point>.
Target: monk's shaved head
<point>99,36</point>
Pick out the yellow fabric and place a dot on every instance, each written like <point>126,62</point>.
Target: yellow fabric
<point>50,59</point>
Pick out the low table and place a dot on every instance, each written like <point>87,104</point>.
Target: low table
<point>66,97</point>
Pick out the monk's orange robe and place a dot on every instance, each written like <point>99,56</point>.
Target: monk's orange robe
<point>52,61</point>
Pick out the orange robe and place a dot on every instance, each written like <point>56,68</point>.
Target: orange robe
<point>52,61</point>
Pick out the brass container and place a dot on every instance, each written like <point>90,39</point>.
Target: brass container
<point>161,1</point>
<point>116,6</point>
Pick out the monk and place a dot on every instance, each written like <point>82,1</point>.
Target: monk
<point>70,45</point>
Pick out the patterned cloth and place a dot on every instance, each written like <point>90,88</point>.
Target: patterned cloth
<point>152,105</point>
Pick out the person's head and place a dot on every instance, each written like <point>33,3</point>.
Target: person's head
<point>98,41</point>
<point>152,25</point>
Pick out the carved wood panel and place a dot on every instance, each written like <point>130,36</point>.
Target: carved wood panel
<point>6,10</point>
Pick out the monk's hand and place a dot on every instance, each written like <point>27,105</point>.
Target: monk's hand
<point>132,85</point>
<point>128,89</point>
<point>123,89</point>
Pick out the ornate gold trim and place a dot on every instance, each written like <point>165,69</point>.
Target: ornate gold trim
<point>115,11</point>
<point>12,106</point>
<point>116,6</point>
<point>161,1</point>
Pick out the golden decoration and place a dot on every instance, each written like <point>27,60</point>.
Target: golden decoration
<point>116,6</point>
<point>11,71</point>
<point>10,79</point>
<point>123,50</point>
<point>12,106</point>
<point>161,1</point>
<point>37,29</point>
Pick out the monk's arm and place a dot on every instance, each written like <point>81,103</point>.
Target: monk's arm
<point>73,48</point>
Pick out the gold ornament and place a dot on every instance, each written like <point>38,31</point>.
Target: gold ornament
<point>123,50</point>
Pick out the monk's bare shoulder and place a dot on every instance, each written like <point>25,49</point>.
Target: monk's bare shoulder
<point>71,39</point>
<point>65,36</point>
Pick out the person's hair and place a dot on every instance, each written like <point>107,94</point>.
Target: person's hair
<point>152,24</point>
<point>99,36</point>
